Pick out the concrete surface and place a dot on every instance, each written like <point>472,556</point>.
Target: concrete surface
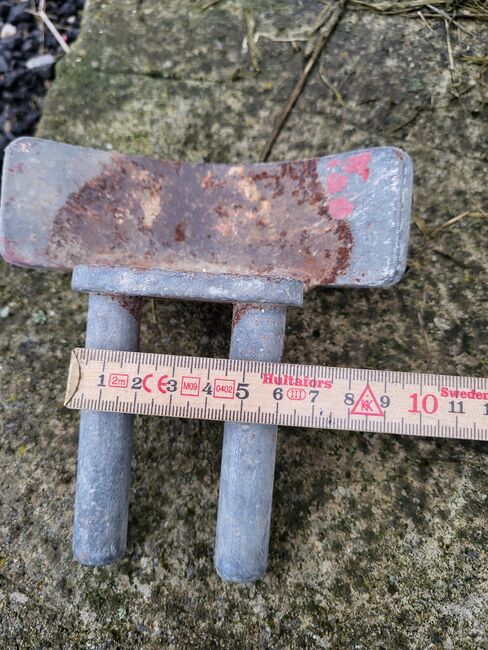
<point>377,541</point>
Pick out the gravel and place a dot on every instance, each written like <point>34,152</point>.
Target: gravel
<point>28,53</point>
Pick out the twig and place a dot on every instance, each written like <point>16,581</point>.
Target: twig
<point>458,94</point>
<point>480,17</point>
<point>318,23</point>
<point>482,61</point>
<point>431,233</point>
<point>295,93</point>
<point>251,43</point>
<point>333,88</point>
<point>280,39</point>
<point>446,16</point>
<point>42,7</point>
<point>421,16</point>
<point>397,7</point>
<point>473,16</point>
<point>477,60</point>
<point>421,225</point>
<point>209,4</point>
<point>449,48</point>
<point>468,214</point>
<point>418,111</point>
<point>411,9</point>
<point>154,315</point>
<point>47,21</point>
<point>322,18</point>
<point>451,258</point>
<point>423,331</point>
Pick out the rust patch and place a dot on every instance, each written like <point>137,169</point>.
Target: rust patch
<point>179,232</point>
<point>240,309</point>
<point>132,305</point>
<point>262,219</point>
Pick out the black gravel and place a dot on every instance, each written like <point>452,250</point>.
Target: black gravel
<point>24,78</point>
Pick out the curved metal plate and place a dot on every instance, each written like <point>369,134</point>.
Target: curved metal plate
<point>338,221</point>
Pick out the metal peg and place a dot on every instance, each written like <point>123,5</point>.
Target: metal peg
<point>248,457</point>
<point>105,444</point>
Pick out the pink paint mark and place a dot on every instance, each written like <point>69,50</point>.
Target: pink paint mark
<point>4,243</point>
<point>336,182</point>
<point>8,251</point>
<point>335,162</point>
<point>340,208</point>
<point>359,164</point>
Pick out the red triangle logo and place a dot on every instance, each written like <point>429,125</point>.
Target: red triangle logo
<point>367,404</point>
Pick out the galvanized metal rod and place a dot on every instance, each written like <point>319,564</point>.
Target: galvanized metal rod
<point>248,457</point>
<point>105,444</point>
<point>259,325</point>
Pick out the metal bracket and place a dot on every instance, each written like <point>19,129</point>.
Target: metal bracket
<point>248,458</point>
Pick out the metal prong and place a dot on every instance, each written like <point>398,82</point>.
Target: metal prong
<point>105,444</point>
<point>248,457</point>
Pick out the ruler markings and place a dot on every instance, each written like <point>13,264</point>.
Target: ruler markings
<point>382,401</point>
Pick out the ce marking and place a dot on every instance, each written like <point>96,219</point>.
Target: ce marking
<point>161,385</point>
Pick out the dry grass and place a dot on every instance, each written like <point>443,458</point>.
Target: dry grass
<point>451,12</point>
<point>44,20</point>
<point>433,232</point>
<point>466,9</point>
<point>251,41</point>
<point>324,28</point>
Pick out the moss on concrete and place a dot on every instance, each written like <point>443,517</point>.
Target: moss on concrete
<point>377,541</point>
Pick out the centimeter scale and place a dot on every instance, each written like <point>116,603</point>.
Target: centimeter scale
<point>380,401</point>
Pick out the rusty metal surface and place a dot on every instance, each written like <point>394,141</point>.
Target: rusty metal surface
<point>337,220</point>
